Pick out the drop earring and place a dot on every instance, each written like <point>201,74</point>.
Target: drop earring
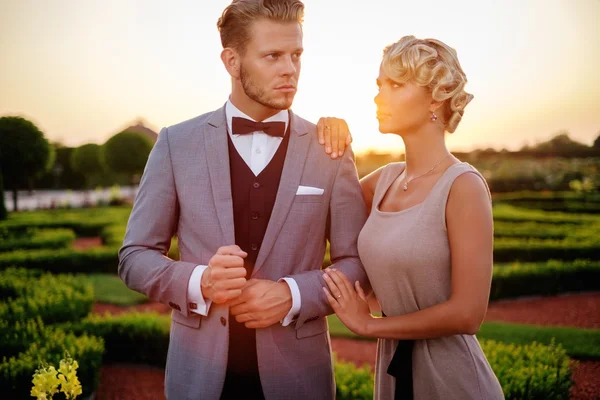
<point>433,117</point>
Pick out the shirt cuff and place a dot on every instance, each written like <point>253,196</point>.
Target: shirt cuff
<point>296,302</point>
<point>196,302</point>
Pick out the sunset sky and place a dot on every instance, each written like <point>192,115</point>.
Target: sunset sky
<point>82,70</point>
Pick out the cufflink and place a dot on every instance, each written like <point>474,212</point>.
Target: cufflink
<point>193,306</point>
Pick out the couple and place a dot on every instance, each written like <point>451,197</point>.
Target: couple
<point>253,204</point>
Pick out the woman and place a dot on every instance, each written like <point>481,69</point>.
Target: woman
<point>427,244</point>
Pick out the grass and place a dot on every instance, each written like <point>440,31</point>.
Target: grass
<point>583,344</point>
<point>111,289</point>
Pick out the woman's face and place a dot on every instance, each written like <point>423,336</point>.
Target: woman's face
<point>402,108</point>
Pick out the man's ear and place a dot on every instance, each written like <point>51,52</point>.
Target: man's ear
<point>231,61</point>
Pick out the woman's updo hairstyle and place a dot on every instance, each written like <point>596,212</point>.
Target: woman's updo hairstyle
<point>434,65</point>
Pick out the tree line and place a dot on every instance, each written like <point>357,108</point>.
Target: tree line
<point>28,160</point>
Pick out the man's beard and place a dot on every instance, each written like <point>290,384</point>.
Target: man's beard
<point>257,93</point>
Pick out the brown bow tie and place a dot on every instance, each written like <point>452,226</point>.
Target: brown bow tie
<point>242,126</point>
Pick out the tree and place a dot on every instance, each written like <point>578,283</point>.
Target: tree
<point>24,154</point>
<point>127,153</point>
<point>596,144</point>
<point>3,213</point>
<point>87,161</point>
<point>561,143</point>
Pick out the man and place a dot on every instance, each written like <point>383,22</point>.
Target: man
<point>252,205</point>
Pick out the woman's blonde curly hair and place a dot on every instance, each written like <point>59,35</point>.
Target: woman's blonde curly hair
<point>434,65</point>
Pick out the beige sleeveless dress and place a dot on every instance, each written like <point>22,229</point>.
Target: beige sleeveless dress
<point>407,258</point>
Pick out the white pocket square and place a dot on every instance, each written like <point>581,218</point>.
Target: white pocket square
<point>303,190</point>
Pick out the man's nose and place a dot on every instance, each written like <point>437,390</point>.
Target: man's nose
<point>289,67</point>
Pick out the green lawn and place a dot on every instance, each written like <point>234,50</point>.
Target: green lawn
<point>579,343</point>
<point>111,289</point>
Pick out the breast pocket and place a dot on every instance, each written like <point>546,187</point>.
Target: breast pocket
<point>309,198</point>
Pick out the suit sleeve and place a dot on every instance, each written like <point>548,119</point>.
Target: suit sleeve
<point>143,262</point>
<point>347,215</point>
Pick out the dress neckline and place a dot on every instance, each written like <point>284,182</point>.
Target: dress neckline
<point>377,209</point>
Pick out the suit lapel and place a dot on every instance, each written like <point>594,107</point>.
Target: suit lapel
<point>288,185</point>
<point>217,157</point>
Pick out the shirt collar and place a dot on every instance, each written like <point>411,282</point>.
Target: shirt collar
<point>232,111</point>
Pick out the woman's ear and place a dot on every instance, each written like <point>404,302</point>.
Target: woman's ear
<point>231,61</point>
<point>435,105</point>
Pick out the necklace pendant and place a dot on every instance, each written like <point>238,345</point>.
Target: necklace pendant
<point>405,187</point>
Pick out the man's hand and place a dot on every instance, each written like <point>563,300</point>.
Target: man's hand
<point>262,303</point>
<point>334,134</point>
<point>224,278</point>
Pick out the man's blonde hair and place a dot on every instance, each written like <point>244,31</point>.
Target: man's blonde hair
<point>236,19</point>
<point>432,64</point>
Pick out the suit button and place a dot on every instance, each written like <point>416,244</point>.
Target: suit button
<point>255,215</point>
<point>254,246</point>
<point>256,185</point>
<point>223,321</point>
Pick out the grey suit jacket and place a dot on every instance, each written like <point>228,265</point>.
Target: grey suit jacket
<point>186,191</point>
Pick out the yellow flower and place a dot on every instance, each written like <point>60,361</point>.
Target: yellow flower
<point>70,384</point>
<point>45,383</point>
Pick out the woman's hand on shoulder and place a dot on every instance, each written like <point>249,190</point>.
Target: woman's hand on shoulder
<point>334,134</point>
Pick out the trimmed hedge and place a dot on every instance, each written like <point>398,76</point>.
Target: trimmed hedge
<point>352,383</point>
<point>507,250</point>
<point>84,222</point>
<point>504,212</point>
<point>113,235</point>
<point>30,294</point>
<point>527,230</point>
<point>544,279</point>
<point>130,337</point>
<point>569,202</point>
<point>533,371</point>
<point>80,227</point>
<point>32,343</point>
<point>40,239</point>
<point>30,299</point>
<point>96,260</point>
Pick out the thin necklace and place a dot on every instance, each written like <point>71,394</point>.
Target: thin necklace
<point>405,187</point>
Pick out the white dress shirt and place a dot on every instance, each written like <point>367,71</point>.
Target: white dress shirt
<point>256,149</point>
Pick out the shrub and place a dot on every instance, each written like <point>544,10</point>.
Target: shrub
<point>96,260</point>
<point>533,371</point>
<point>52,298</point>
<point>39,343</point>
<point>130,338</point>
<point>353,383</point>
<point>40,239</point>
<point>504,212</point>
<point>507,250</point>
<point>544,279</point>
